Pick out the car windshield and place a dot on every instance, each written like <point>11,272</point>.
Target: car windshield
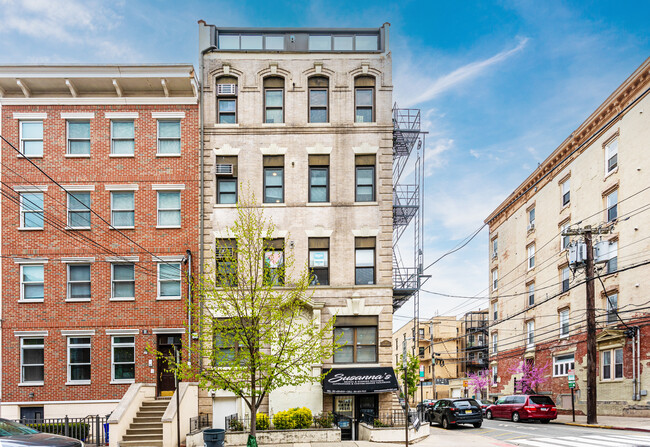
<point>465,403</point>
<point>9,428</point>
<point>541,400</point>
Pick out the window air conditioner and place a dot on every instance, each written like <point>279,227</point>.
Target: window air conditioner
<point>224,169</point>
<point>226,89</point>
<point>494,255</point>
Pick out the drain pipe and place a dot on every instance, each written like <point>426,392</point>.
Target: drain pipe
<point>188,258</point>
<point>638,365</point>
<point>634,393</point>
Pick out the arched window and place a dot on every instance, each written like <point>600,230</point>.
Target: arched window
<point>318,99</point>
<point>364,99</point>
<point>273,99</point>
<point>227,100</point>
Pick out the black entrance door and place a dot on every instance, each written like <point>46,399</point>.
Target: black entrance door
<point>366,409</point>
<point>166,345</point>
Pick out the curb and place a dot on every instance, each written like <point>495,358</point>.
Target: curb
<point>609,427</point>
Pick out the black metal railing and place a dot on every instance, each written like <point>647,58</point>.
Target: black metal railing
<point>200,422</point>
<point>92,429</point>
<point>394,418</point>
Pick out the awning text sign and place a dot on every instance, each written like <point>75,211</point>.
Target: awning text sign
<point>360,380</point>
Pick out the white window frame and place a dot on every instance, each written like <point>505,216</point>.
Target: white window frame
<point>611,254</point>
<point>22,364</point>
<point>124,209</point>
<point>612,365</point>
<point>160,281</point>
<point>495,311</point>
<point>611,151</point>
<point>70,211</point>
<point>121,345</point>
<point>494,378</point>
<point>561,367</point>
<point>24,211</point>
<point>531,217</point>
<point>566,270</point>
<point>564,320</point>
<point>113,280</point>
<point>22,139</point>
<point>495,279</point>
<point>566,189</point>
<point>609,205</point>
<point>69,364</point>
<point>495,247</point>
<point>531,293</point>
<point>495,343</point>
<point>172,154</point>
<point>113,139</point>
<point>531,256</point>
<point>530,334</point>
<point>69,281</point>
<point>68,139</point>
<point>23,284</point>
<point>158,209</point>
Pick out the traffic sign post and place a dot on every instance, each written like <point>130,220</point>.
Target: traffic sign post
<point>572,385</point>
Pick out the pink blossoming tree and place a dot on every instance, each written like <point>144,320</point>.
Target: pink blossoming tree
<point>531,375</point>
<point>479,382</point>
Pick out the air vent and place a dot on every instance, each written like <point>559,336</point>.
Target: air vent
<point>224,169</point>
<point>226,89</point>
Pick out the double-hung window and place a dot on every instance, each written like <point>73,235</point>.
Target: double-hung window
<point>495,247</point>
<point>79,210</point>
<point>78,282</point>
<point>32,281</point>
<point>79,360</point>
<point>495,311</point>
<point>564,323</point>
<point>531,256</point>
<point>611,304</point>
<point>319,178</point>
<point>612,364</point>
<point>274,179</point>
<point>274,100</point>
<point>318,99</point>
<point>494,344</point>
<point>123,358</point>
<point>531,294</point>
<point>364,260</point>
<point>226,261</point>
<point>530,334</point>
<point>122,137</point>
<point>495,279</point>
<point>31,210</point>
<point>565,279</point>
<point>169,281</point>
<point>123,281</point>
<point>169,209</point>
<point>365,178</point>
<point>612,206</point>
<point>612,257</point>
<point>364,99</point>
<point>123,209</point>
<point>359,344</point>
<point>319,260</point>
<point>566,192</point>
<point>531,219</point>
<point>565,240</point>
<point>169,137</point>
<point>78,138</point>
<point>32,360</point>
<point>274,262</point>
<point>226,172</point>
<point>611,156</point>
<point>562,364</point>
<point>494,375</point>
<point>227,100</point>
<point>226,349</point>
<point>31,138</point>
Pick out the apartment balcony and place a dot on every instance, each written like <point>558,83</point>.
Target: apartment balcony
<point>477,363</point>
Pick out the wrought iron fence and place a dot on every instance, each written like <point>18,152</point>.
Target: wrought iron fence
<point>394,418</point>
<point>92,429</point>
<point>200,422</point>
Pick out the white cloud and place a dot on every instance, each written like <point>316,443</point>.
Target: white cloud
<point>474,153</point>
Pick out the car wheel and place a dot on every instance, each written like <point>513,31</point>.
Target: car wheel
<point>445,423</point>
<point>545,421</point>
<point>477,424</point>
<point>515,417</point>
<point>488,414</point>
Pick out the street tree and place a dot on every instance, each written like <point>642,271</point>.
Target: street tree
<point>479,382</point>
<point>412,374</point>
<point>532,375</point>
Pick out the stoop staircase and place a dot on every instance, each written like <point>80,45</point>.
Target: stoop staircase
<point>146,430</point>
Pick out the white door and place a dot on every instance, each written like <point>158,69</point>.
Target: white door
<point>222,407</point>
<point>455,392</point>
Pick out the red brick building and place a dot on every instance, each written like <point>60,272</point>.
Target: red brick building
<point>100,196</point>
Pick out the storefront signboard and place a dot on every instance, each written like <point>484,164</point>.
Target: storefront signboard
<point>360,380</point>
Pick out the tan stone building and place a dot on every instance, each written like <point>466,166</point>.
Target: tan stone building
<point>599,177</point>
<point>303,118</point>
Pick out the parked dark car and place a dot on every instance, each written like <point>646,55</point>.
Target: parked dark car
<point>523,407</point>
<point>484,404</point>
<point>13,434</point>
<point>424,406</point>
<point>449,412</point>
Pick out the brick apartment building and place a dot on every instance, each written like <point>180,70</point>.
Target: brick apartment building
<point>598,177</point>
<point>94,270</point>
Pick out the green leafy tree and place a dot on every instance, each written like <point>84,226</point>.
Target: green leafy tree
<point>257,332</point>
<point>412,373</point>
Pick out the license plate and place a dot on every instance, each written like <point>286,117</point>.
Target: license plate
<point>544,409</point>
<point>468,411</point>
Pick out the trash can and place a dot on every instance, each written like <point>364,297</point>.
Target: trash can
<point>214,437</point>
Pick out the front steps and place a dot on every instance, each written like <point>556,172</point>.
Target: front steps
<point>146,429</point>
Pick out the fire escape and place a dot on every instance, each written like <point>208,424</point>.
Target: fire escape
<point>408,183</point>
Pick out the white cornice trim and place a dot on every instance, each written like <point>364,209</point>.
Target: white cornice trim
<point>77,332</point>
<point>30,260</point>
<point>168,187</point>
<point>173,258</point>
<point>77,115</point>
<point>164,330</point>
<point>226,150</point>
<point>319,150</point>
<point>319,232</point>
<point>79,187</point>
<point>366,232</point>
<point>279,234</point>
<point>125,187</point>
<point>223,234</point>
<point>76,260</point>
<point>365,148</point>
<point>29,115</point>
<point>30,188</point>
<point>121,115</point>
<point>122,331</point>
<point>273,150</point>
<point>163,115</point>
<point>122,259</point>
<point>30,333</point>
<point>110,101</point>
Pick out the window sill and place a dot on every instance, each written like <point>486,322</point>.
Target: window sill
<point>319,124</point>
<point>78,228</point>
<point>612,172</point>
<point>31,384</point>
<point>366,203</point>
<point>76,155</point>
<point>81,382</point>
<point>374,123</point>
<point>357,365</point>
<point>161,227</point>
<point>226,125</point>
<point>121,382</point>
<point>565,207</point>
<point>121,299</point>
<point>168,155</point>
<point>29,229</point>
<point>168,298</point>
<point>31,301</point>
<point>225,205</point>
<point>319,203</point>
<point>564,336</point>
<point>121,155</point>
<point>611,380</point>
<point>77,300</point>
<point>274,205</point>
<point>274,124</point>
<point>29,156</point>
<point>120,228</point>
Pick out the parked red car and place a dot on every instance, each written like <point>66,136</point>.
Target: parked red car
<point>523,407</point>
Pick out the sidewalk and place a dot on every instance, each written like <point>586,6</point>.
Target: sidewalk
<point>611,422</point>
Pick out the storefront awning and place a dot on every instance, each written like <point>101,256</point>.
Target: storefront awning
<point>360,380</point>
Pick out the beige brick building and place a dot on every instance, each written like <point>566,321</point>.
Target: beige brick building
<point>598,176</point>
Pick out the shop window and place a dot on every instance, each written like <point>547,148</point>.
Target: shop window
<point>358,343</point>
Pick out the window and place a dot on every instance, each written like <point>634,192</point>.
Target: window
<point>612,255</point>
<point>531,294</point>
<point>78,138</point>
<point>531,256</point>
<point>226,350</point>
<point>531,219</point>
<point>32,360</point>
<point>274,42</point>
<point>565,279</point>
<point>564,323</point>
<point>612,308</point>
<point>612,206</point>
<point>79,209</point>
<point>123,281</point>
<point>495,279</point>
<point>31,138</point>
<point>79,282</point>
<point>319,178</point>
<point>79,359</point>
<point>319,260</point>
<point>366,43</point>
<point>274,179</point>
<point>169,137</point>
<point>226,171</point>
<point>227,100</point>
<point>530,334</point>
<point>494,374</point>
<point>251,42</point>
<point>611,156</point>
<point>31,210</point>
<point>364,260</point>
<point>612,369</point>
<point>320,43</point>
<point>123,358</point>
<point>169,280</point>
<point>343,43</point>
<point>273,100</point>
<point>122,137</point>
<point>421,333</point>
<point>226,261</point>
<point>495,245</point>
<point>359,344</point>
<point>123,209</point>
<point>169,209</point>
<point>494,344</point>
<point>274,262</point>
<point>421,351</point>
<point>562,364</point>
<point>565,240</point>
<point>364,97</point>
<point>32,282</point>
<point>318,99</point>
<point>566,192</point>
<point>495,311</point>
<point>365,178</point>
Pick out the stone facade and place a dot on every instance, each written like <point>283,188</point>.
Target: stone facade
<point>597,177</point>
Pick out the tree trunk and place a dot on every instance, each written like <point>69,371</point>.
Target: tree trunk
<point>253,420</point>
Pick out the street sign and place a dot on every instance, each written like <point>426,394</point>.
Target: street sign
<point>465,383</point>
<point>572,384</point>
<point>572,379</point>
<point>421,371</point>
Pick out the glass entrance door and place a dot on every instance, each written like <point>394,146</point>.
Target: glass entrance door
<point>344,409</point>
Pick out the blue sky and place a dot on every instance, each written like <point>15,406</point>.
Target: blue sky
<point>500,84</point>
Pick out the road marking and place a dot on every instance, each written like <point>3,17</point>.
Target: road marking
<point>599,442</point>
<point>630,438</point>
<point>532,443</point>
<point>620,439</point>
